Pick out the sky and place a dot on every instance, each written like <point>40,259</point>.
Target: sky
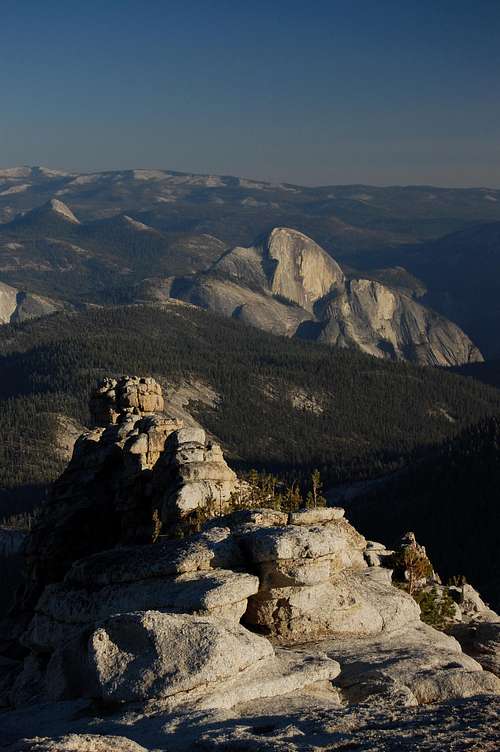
<point>320,92</point>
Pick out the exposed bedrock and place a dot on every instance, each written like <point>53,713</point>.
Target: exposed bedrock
<point>123,476</point>
<point>151,633</point>
<point>109,631</point>
<point>287,284</point>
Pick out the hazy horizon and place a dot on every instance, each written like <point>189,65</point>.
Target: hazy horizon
<point>332,94</point>
<point>77,171</point>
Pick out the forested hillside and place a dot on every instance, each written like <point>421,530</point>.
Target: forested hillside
<point>487,372</point>
<point>287,406</point>
<point>450,500</point>
<point>461,273</point>
<point>45,252</point>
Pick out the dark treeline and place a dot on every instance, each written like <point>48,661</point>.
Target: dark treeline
<point>451,500</point>
<point>487,372</point>
<point>285,406</point>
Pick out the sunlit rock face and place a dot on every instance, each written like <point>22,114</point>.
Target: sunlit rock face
<point>137,468</point>
<point>287,284</point>
<point>191,472</point>
<point>388,324</point>
<point>17,306</point>
<point>262,602</point>
<point>129,393</point>
<point>298,268</point>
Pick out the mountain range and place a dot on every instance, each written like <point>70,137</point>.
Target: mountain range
<point>117,242</point>
<point>347,220</point>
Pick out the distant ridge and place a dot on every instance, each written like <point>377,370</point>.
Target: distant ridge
<point>54,208</point>
<point>394,236</point>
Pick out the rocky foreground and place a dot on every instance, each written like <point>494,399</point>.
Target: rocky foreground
<point>266,630</point>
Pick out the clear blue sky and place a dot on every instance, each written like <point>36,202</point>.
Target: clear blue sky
<point>334,91</point>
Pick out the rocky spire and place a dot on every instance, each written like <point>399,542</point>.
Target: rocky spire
<point>137,469</point>
<point>128,394</point>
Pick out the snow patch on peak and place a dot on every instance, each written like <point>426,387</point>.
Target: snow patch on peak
<point>137,225</point>
<point>148,174</point>
<point>15,172</point>
<point>16,189</point>
<point>62,209</point>
<point>50,173</point>
<point>26,171</point>
<point>86,179</point>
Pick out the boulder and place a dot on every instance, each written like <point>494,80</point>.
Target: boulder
<point>349,603</point>
<point>192,474</point>
<point>377,555</point>
<point>470,603</point>
<point>339,541</point>
<point>315,583</point>
<point>220,592</point>
<point>184,661</point>
<point>427,665</point>
<point>296,572</point>
<point>143,655</point>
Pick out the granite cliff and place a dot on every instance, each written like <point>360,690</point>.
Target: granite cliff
<point>287,284</point>
<point>17,305</point>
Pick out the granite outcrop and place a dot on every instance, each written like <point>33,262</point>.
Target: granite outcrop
<point>152,635</point>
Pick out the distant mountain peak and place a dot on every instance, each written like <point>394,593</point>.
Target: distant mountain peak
<point>303,272</point>
<point>31,171</point>
<point>14,173</point>
<point>257,284</point>
<point>44,212</point>
<point>287,232</point>
<point>61,208</point>
<point>136,224</point>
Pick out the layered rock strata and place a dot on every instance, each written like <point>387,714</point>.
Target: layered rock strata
<point>114,396</point>
<point>192,474</point>
<point>315,582</point>
<point>108,631</point>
